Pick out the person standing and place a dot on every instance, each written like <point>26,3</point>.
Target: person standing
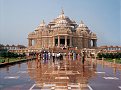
<point>49,55</point>
<point>69,55</point>
<point>78,56</point>
<point>74,56</point>
<point>44,55</point>
<point>53,55</point>
<point>83,57</point>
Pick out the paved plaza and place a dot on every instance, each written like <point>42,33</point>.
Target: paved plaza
<point>66,74</point>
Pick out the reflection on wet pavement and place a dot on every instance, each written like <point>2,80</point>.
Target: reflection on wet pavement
<point>66,74</point>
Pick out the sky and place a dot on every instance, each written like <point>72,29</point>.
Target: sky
<point>20,17</point>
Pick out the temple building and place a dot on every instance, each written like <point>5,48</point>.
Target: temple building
<point>62,32</point>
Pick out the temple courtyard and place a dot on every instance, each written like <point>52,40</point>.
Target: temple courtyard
<point>66,74</point>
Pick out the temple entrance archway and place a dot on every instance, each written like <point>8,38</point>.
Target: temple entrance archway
<point>93,43</point>
<point>62,41</point>
<point>56,42</point>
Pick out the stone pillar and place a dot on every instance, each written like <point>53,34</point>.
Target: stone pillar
<point>86,43</point>
<point>29,42</point>
<point>53,41</point>
<point>58,41</point>
<point>84,46</point>
<point>70,41</point>
<point>89,43</point>
<point>65,41</point>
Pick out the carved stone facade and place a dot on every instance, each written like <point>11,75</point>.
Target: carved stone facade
<point>62,32</point>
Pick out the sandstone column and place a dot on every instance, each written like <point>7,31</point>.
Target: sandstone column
<point>35,41</point>
<point>89,43</point>
<point>58,41</point>
<point>65,41</point>
<point>53,41</point>
<point>70,41</point>
<point>29,42</point>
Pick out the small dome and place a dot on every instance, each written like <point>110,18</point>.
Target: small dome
<point>82,24</point>
<point>93,34</point>
<point>42,25</point>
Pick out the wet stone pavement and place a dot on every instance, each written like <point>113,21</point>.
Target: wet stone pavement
<point>66,74</point>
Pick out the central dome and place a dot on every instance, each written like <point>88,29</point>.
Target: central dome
<point>62,22</point>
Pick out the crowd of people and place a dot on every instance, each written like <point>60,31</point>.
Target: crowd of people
<point>46,55</point>
<point>77,56</point>
<point>51,56</point>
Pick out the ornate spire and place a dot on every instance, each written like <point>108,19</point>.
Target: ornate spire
<point>62,11</point>
<point>42,23</point>
<point>82,22</point>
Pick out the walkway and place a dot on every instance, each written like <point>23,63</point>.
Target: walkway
<point>66,74</point>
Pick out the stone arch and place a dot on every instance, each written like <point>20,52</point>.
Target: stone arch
<point>93,43</point>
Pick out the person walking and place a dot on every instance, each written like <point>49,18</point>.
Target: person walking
<point>78,56</point>
<point>74,56</point>
<point>53,55</point>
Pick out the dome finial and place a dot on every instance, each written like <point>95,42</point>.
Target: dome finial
<point>42,23</point>
<point>62,11</point>
<point>82,22</point>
